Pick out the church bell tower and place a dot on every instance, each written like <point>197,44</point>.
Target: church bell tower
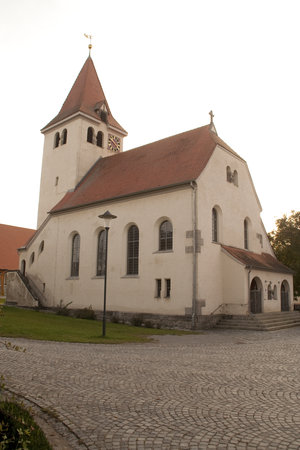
<point>83,131</point>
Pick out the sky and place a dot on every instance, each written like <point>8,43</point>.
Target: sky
<point>163,65</point>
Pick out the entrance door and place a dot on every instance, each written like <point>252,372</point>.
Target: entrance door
<point>284,296</point>
<point>255,298</point>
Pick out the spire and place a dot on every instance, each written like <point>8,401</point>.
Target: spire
<point>86,96</point>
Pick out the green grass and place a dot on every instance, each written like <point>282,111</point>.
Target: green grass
<point>22,323</point>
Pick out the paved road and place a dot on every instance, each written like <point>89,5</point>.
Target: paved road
<point>220,390</point>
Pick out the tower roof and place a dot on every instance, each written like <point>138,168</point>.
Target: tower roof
<point>87,97</point>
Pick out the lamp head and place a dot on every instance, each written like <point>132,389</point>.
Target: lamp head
<point>107,216</point>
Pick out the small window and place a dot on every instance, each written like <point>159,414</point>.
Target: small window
<point>64,135</point>
<point>133,251</point>
<point>31,260</point>
<point>167,287</point>
<point>100,139</point>
<point>90,135</point>
<point>246,237</point>
<point>157,288</point>
<point>56,181</point>
<point>214,225</point>
<point>41,247</point>
<point>275,292</point>
<point>56,140</point>
<point>101,253</point>
<point>235,178</point>
<point>228,174</point>
<point>75,256</point>
<point>270,292</point>
<point>165,236</point>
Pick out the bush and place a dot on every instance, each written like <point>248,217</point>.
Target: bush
<point>18,429</point>
<point>85,313</point>
<point>62,310</point>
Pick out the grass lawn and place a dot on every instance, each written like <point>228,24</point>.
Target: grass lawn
<point>15,322</point>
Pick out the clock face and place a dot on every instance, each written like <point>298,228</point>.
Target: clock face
<point>114,143</point>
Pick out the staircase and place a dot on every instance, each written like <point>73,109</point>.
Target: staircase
<point>261,322</point>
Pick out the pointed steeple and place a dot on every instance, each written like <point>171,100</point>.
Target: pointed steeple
<point>86,97</point>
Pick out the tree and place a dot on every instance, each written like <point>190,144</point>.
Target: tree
<point>285,240</point>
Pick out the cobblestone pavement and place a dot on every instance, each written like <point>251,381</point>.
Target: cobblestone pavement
<point>218,390</point>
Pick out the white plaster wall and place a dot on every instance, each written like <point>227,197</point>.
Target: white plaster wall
<point>124,293</point>
<point>234,203</point>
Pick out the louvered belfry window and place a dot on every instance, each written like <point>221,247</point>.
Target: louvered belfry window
<point>166,236</point>
<point>133,251</point>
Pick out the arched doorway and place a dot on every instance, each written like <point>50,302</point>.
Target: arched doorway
<point>284,296</point>
<point>23,267</point>
<point>255,296</point>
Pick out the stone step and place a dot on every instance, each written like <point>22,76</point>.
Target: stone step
<point>262,322</point>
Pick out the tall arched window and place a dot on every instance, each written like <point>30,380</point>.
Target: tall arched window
<point>214,225</point>
<point>75,256</point>
<point>133,251</point>
<point>246,236</point>
<point>64,135</point>
<point>166,236</point>
<point>90,135</point>
<point>100,139</point>
<point>101,253</point>
<point>56,140</point>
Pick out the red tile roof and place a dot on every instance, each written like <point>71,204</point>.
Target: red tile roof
<point>85,94</point>
<point>262,261</point>
<point>11,238</point>
<point>172,161</point>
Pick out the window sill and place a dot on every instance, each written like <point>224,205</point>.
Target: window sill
<point>97,277</point>
<point>163,251</point>
<point>72,278</point>
<point>130,276</point>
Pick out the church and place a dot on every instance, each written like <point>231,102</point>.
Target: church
<point>186,243</point>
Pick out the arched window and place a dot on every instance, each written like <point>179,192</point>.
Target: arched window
<point>64,135</point>
<point>75,256</point>
<point>101,253</point>
<point>31,260</point>
<point>235,178</point>
<point>41,247</point>
<point>133,251</point>
<point>166,236</point>
<point>214,225</point>
<point>270,291</point>
<point>100,139</point>
<point>90,135</point>
<point>56,140</point>
<point>228,174</point>
<point>23,267</point>
<point>246,236</point>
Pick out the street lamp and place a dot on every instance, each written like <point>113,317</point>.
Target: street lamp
<point>107,216</point>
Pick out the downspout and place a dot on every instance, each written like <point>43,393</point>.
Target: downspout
<point>193,185</point>
<point>249,299</point>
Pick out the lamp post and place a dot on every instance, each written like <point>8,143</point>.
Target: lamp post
<point>107,216</point>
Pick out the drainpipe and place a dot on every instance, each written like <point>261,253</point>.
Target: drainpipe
<point>249,271</point>
<point>193,185</point>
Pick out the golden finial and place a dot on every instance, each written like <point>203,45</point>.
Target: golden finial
<point>89,36</point>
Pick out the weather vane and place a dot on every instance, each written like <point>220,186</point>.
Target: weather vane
<point>89,36</point>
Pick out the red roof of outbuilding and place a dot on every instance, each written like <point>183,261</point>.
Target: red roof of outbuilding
<point>258,261</point>
<point>11,238</point>
<point>172,161</point>
<point>85,94</point>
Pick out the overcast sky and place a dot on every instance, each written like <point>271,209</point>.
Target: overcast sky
<point>163,65</point>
